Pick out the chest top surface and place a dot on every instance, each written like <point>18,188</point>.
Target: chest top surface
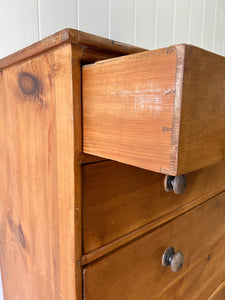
<point>76,37</point>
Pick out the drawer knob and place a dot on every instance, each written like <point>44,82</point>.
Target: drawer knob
<point>173,259</point>
<point>177,184</point>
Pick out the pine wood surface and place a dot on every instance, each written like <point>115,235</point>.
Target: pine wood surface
<point>219,293</point>
<point>41,158</point>
<point>202,124</point>
<point>128,108</point>
<point>135,271</point>
<point>54,197</point>
<point>37,179</point>
<point>166,109</point>
<point>119,199</point>
<point>202,281</point>
<point>75,119</point>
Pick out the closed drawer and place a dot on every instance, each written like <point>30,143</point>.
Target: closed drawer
<point>136,272</point>
<point>119,199</point>
<point>202,281</point>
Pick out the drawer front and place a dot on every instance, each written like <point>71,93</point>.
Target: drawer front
<point>118,199</point>
<point>136,272</point>
<point>203,281</point>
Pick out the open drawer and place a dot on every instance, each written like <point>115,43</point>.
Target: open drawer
<point>161,110</point>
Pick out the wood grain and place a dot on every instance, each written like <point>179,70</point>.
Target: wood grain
<point>166,109</point>
<point>38,187</point>
<point>129,107</point>
<point>119,199</point>
<point>41,158</point>
<point>90,43</point>
<point>219,293</point>
<point>112,246</point>
<point>202,126</point>
<point>135,271</point>
<point>201,280</point>
<point>75,63</point>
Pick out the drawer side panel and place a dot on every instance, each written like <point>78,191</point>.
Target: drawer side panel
<point>128,109</point>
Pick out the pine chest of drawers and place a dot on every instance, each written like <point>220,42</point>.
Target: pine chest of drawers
<point>112,171</point>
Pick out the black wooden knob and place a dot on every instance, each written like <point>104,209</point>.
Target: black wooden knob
<point>177,184</point>
<point>173,259</point>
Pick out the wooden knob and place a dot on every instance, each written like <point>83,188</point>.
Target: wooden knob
<point>177,184</point>
<point>172,259</point>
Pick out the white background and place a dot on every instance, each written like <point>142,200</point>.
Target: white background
<point>147,23</point>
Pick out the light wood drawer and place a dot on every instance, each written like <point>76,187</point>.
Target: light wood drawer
<point>119,199</point>
<point>161,110</point>
<point>135,271</point>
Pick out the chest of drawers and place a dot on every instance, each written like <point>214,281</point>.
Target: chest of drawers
<point>112,171</point>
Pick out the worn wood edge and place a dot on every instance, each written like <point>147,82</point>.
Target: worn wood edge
<point>188,48</point>
<point>180,59</point>
<point>217,291</point>
<point>35,48</point>
<point>100,43</point>
<point>189,269</point>
<point>76,94</point>
<point>138,233</point>
<point>72,36</point>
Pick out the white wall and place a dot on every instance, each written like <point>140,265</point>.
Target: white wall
<point>147,23</point>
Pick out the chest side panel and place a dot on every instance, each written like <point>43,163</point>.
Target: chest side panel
<point>37,189</point>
